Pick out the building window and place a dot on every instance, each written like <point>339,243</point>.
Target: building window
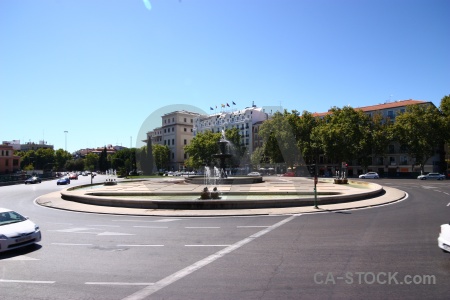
<point>173,142</point>
<point>164,142</point>
<point>192,120</point>
<point>173,155</point>
<point>392,160</point>
<point>391,149</point>
<point>184,119</point>
<point>185,129</point>
<point>185,156</point>
<point>173,129</point>
<point>185,141</point>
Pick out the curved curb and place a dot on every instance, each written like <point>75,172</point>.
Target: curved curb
<point>102,199</point>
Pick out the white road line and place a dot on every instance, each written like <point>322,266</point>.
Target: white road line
<point>26,281</point>
<point>151,227</point>
<point>207,245</point>
<point>199,227</point>
<point>105,225</point>
<point>69,244</point>
<point>119,283</point>
<point>149,290</point>
<point>252,226</point>
<point>140,245</point>
<point>446,193</point>
<point>448,204</point>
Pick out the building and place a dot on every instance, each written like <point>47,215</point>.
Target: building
<point>33,146</point>
<point>9,163</point>
<point>176,131</point>
<point>396,162</point>
<point>245,120</point>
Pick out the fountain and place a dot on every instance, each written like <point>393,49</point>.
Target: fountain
<point>110,180</point>
<point>222,156</point>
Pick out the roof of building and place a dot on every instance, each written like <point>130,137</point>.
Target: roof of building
<point>387,105</point>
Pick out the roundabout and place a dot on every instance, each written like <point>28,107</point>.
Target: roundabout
<point>180,197</point>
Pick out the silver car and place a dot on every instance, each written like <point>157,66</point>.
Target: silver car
<point>16,230</point>
<point>431,176</point>
<point>372,175</point>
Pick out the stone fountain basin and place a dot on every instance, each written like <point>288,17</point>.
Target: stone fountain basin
<point>199,179</point>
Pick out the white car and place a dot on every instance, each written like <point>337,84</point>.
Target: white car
<point>254,174</point>
<point>444,238</point>
<point>435,176</point>
<point>16,230</point>
<point>373,175</point>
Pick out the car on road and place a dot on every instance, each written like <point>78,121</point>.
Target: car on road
<point>370,175</point>
<point>431,176</point>
<point>73,176</point>
<point>444,238</point>
<point>289,174</point>
<point>33,179</point>
<point>16,230</point>
<point>64,180</point>
<point>254,174</point>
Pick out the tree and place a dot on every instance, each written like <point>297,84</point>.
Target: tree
<point>103,160</point>
<point>279,138</point>
<point>147,160</point>
<point>201,149</point>
<point>236,147</point>
<point>91,161</point>
<point>421,128</point>
<point>309,147</point>
<point>61,158</point>
<point>161,156</point>
<point>344,135</point>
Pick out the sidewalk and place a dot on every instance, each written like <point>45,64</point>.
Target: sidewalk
<point>54,200</point>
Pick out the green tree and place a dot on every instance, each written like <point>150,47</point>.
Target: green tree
<point>421,128</point>
<point>201,149</point>
<point>103,160</point>
<point>309,147</point>
<point>237,147</point>
<point>161,156</point>
<point>146,158</point>
<point>61,158</point>
<point>279,138</point>
<point>91,162</point>
<point>344,135</point>
<point>445,109</point>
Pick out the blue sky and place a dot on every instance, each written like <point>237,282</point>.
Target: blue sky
<point>101,69</point>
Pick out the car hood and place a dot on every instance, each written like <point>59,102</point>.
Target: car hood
<point>15,229</point>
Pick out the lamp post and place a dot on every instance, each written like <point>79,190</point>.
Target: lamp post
<point>65,132</point>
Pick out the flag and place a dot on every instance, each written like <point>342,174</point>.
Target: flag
<point>228,105</point>
<point>211,108</point>
<point>234,103</point>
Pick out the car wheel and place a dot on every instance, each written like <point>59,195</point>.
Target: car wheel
<point>363,177</point>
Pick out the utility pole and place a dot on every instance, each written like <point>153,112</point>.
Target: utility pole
<point>66,132</point>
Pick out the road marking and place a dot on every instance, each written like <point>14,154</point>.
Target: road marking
<point>119,283</point>
<point>448,204</point>
<point>26,281</point>
<point>446,193</point>
<point>149,290</point>
<point>207,245</point>
<point>69,244</point>
<point>140,245</point>
<point>151,227</point>
<point>21,257</point>
<point>105,225</point>
<point>252,226</point>
<point>144,221</point>
<point>199,227</point>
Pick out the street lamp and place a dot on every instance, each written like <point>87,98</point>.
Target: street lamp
<point>66,132</point>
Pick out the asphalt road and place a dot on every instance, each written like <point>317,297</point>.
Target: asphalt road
<point>387,252</point>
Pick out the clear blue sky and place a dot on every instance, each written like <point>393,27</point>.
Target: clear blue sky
<point>99,69</point>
